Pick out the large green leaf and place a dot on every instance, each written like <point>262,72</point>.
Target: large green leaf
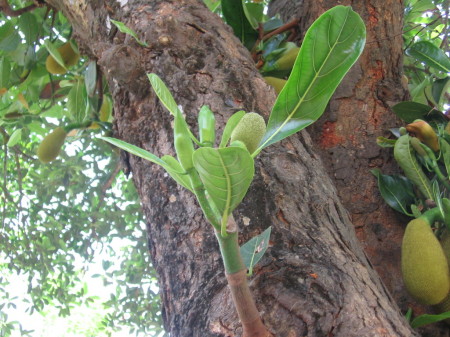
<point>432,56</point>
<point>226,173</point>
<point>234,14</point>
<point>410,111</point>
<point>396,190</point>
<point>77,101</point>
<point>331,46</point>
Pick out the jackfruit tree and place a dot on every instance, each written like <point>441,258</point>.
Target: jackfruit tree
<point>313,188</point>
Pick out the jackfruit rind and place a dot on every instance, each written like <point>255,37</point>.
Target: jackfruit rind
<point>250,130</point>
<point>276,83</point>
<point>424,266</point>
<point>69,56</point>
<point>50,146</point>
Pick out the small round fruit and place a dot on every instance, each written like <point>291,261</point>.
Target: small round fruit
<point>50,146</point>
<point>250,130</point>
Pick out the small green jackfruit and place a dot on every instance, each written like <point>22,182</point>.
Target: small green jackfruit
<point>424,265</point>
<point>69,56</point>
<point>287,60</point>
<point>50,146</point>
<point>276,83</point>
<point>250,130</point>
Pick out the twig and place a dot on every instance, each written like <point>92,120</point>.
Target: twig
<point>6,8</point>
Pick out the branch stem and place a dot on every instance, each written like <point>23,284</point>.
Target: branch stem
<point>236,274</point>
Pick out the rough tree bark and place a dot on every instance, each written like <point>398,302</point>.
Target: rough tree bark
<point>315,279</point>
<point>346,135</point>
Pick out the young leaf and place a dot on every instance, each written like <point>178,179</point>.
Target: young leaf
<point>227,174</point>
<point>432,56</point>
<point>229,127</point>
<point>405,157</point>
<point>331,46</point>
<point>124,29</point>
<point>428,319</point>
<point>168,101</point>
<point>174,172</point>
<point>439,88</point>
<point>5,72</point>
<point>90,78</point>
<point>77,101</point>
<point>396,190</point>
<point>234,14</point>
<point>253,250</point>
<point>15,138</point>
<point>137,151</point>
<point>445,151</point>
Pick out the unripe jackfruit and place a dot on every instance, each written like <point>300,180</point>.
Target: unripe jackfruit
<point>287,60</point>
<point>250,130</point>
<point>276,83</point>
<point>50,146</point>
<point>69,56</point>
<point>424,266</point>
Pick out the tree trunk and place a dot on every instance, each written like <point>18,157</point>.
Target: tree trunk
<point>358,113</point>
<point>315,279</point>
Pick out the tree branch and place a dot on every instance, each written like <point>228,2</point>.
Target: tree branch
<point>6,8</point>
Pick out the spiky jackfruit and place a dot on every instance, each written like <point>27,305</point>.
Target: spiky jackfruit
<point>424,266</point>
<point>50,146</point>
<point>250,130</point>
<point>69,56</point>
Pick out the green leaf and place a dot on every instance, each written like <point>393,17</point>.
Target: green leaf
<point>90,78</point>
<point>29,27</point>
<point>168,101</point>
<point>9,37</point>
<point>385,142</point>
<point>396,190</point>
<point>254,13</point>
<point>234,15</point>
<point>432,56</point>
<point>229,127</point>
<point>5,72</point>
<point>253,250</point>
<point>405,156</point>
<point>15,138</point>
<point>227,174</point>
<point>445,154</point>
<point>428,319</point>
<point>331,46</point>
<point>77,102</point>
<point>55,53</point>
<point>171,168</point>
<point>439,88</point>
<point>410,111</point>
<point>124,29</point>
<point>174,168</point>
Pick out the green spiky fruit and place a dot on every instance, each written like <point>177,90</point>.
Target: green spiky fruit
<point>69,56</point>
<point>50,146</point>
<point>250,130</point>
<point>276,83</point>
<point>424,266</point>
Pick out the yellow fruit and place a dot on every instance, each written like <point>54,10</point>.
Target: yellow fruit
<point>276,83</point>
<point>69,56</point>
<point>424,266</point>
<point>425,133</point>
<point>50,146</point>
<point>250,130</point>
<point>287,60</point>
<point>105,109</point>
